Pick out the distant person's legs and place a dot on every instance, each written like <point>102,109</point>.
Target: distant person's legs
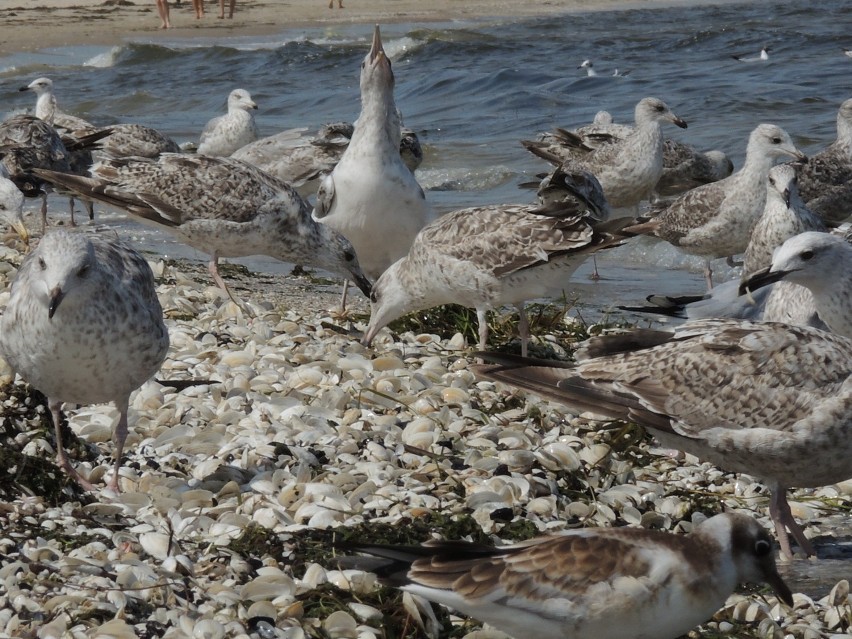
<point>198,5</point>
<point>233,4</point>
<point>163,10</point>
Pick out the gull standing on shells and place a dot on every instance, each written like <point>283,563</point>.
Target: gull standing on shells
<point>223,207</point>
<point>225,134</point>
<point>826,181</point>
<point>628,169</point>
<point>489,256</point>
<point>12,205</point>
<point>84,326</point>
<point>606,583</point>
<point>821,262</point>
<point>716,220</point>
<point>767,399</point>
<point>371,197</point>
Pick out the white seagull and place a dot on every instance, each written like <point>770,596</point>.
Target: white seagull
<point>225,134</point>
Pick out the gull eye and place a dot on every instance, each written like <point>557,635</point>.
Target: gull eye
<point>374,297</point>
<point>349,256</point>
<point>772,181</point>
<point>762,547</point>
<point>776,140</point>
<point>660,108</point>
<point>807,255</point>
<point>42,264</point>
<point>83,270</point>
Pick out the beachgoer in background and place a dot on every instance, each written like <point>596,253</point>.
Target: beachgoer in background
<point>233,4</point>
<point>198,5</point>
<point>163,10</point>
<point>331,4</point>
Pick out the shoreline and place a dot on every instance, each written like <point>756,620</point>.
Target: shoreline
<point>61,23</point>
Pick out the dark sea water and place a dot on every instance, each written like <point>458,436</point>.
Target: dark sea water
<point>472,90</point>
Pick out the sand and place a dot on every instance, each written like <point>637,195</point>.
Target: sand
<point>30,25</point>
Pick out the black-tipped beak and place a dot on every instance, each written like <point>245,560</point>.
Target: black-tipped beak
<point>362,283</point>
<point>678,122</point>
<point>377,48</point>
<point>24,89</point>
<point>56,296</point>
<point>761,278</point>
<point>780,587</point>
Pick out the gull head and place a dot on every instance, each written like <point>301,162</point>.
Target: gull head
<point>655,110</point>
<point>805,259</point>
<point>63,266</point>
<point>389,299</point>
<point>376,69</point>
<point>588,66</point>
<point>773,142</point>
<point>39,86</point>
<point>240,99</point>
<point>752,550</point>
<point>783,181</point>
<point>336,254</point>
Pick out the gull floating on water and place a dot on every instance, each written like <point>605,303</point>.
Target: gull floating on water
<point>226,133</point>
<point>628,168</point>
<point>607,583</point>
<point>221,206</point>
<point>716,220</point>
<point>371,196</point>
<point>767,399</point>
<point>762,57</point>
<point>487,257</point>
<point>84,326</point>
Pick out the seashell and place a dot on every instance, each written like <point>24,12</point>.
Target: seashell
<point>519,460</point>
<point>387,363</point>
<point>155,544</point>
<point>454,395</point>
<point>208,629</point>
<point>839,594</point>
<point>233,359</point>
<point>340,625</point>
<point>365,612</point>
<point>114,629</point>
<point>262,609</point>
<point>268,587</point>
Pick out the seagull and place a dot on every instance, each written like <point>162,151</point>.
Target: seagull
<point>825,181</point>
<point>225,134</point>
<point>762,398</point>
<point>629,168</point>
<point>716,220</point>
<point>590,70</point>
<point>47,108</point>
<point>821,262</point>
<point>84,326</point>
<point>684,167</point>
<point>12,205</point>
<point>763,57</point>
<point>303,161</point>
<point>486,257</point>
<point>784,216</point>
<point>608,583</point>
<point>221,206</point>
<point>125,140</point>
<point>847,53</point>
<point>371,196</point>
